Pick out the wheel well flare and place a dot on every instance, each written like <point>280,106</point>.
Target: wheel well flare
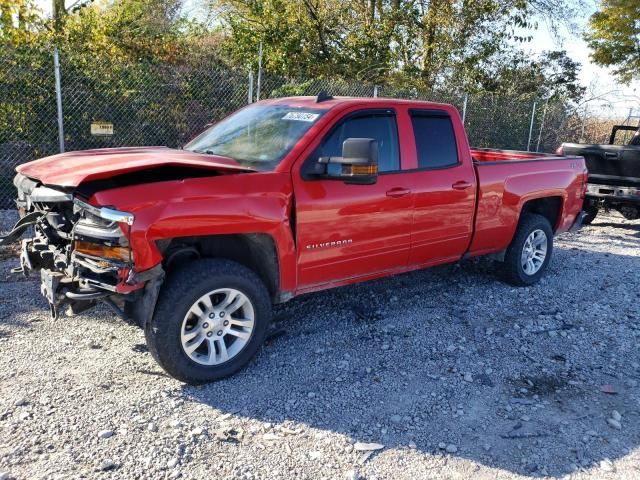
<point>548,207</point>
<point>256,251</point>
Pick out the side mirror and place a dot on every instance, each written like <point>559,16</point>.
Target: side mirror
<point>358,163</point>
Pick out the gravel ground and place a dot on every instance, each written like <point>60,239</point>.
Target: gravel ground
<point>451,372</point>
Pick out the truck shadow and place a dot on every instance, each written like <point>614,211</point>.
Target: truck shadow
<point>628,227</point>
<point>512,379</point>
<point>616,221</point>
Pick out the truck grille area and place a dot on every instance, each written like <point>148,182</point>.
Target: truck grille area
<point>81,255</point>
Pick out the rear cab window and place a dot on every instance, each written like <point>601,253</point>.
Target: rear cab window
<point>435,139</point>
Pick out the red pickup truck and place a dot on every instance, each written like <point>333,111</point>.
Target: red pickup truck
<point>282,198</point>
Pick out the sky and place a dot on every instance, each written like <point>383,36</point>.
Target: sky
<point>610,98</point>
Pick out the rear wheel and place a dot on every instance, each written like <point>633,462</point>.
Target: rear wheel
<point>529,254</point>
<point>211,319</point>
<point>592,213</point>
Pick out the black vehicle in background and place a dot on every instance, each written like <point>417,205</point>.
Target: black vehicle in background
<point>614,174</point>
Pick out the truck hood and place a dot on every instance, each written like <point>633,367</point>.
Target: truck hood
<point>73,168</point>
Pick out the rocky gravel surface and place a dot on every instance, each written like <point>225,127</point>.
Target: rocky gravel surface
<point>443,373</point>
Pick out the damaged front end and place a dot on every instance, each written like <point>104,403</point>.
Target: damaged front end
<point>83,252</point>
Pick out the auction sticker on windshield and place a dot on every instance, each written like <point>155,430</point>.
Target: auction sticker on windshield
<point>301,116</point>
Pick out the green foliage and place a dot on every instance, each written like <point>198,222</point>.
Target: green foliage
<point>21,23</point>
<point>394,42</point>
<point>292,89</point>
<point>138,63</point>
<point>552,74</point>
<point>614,37</point>
<point>130,30</point>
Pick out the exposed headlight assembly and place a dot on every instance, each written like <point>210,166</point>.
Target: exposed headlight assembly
<point>98,232</point>
<point>103,251</point>
<point>105,213</point>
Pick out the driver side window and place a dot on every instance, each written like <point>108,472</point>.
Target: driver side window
<point>379,126</point>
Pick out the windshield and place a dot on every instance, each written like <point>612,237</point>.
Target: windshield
<point>259,136</point>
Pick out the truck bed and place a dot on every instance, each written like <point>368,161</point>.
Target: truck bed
<point>495,155</point>
<point>507,179</point>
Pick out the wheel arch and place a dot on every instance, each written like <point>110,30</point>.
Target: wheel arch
<point>549,207</point>
<point>256,251</point>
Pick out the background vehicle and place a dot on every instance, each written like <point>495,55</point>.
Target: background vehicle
<point>284,197</point>
<point>614,173</point>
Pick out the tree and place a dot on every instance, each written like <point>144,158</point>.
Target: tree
<point>139,30</point>
<point>20,22</point>
<point>425,43</point>
<point>550,75</point>
<point>139,63</point>
<point>614,37</point>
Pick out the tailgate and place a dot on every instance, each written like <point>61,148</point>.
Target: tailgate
<point>609,164</point>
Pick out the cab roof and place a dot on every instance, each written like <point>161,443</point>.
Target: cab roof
<point>312,102</point>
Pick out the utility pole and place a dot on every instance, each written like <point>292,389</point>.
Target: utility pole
<point>544,116</point>
<point>58,11</point>
<point>259,73</point>
<point>464,108</point>
<point>250,92</point>
<point>533,114</point>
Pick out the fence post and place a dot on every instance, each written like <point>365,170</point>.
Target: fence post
<point>544,114</point>
<point>375,91</point>
<point>584,121</point>
<point>464,108</point>
<point>533,113</point>
<point>259,72</point>
<point>250,92</point>
<point>56,69</point>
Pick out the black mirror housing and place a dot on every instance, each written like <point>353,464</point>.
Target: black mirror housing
<point>359,151</point>
<point>359,161</point>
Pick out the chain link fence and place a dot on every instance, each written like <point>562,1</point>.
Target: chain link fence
<point>169,105</point>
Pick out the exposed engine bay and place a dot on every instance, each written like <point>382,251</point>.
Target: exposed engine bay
<point>82,251</point>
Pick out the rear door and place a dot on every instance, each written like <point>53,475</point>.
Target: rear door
<point>444,187</point>
<point>348,231</point>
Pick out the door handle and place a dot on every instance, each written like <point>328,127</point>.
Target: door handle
<point>461,185</point>
<point>398,192</point>
<point>611,155</point>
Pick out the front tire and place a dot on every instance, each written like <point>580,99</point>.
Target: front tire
<point>529,253</point>
<point>211,319</point>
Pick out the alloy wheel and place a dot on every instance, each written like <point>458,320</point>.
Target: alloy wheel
<point>217,326</point>
<point>534,252</point>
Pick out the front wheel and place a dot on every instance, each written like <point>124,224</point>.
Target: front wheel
<point>212,317</point>
<point>530,251</point>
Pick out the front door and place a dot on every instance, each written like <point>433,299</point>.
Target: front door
<point>347,231</point>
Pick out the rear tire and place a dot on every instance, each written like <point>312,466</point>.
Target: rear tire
<point>592,213</point>
<point>211,318</point>
<point>529,253</point>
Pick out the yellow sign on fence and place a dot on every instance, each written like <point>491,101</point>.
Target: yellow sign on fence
<point>101,128</point>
